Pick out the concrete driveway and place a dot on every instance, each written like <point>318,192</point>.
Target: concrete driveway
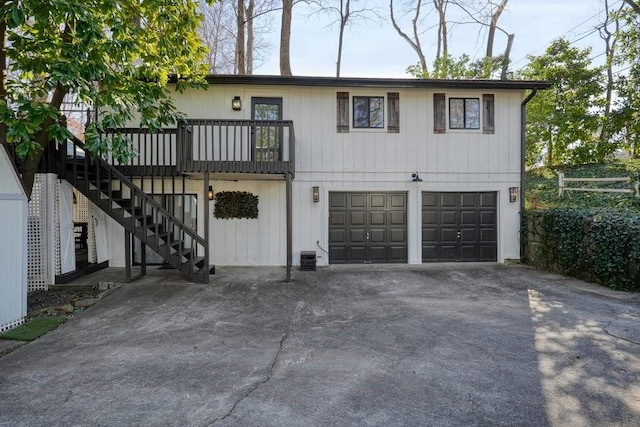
<point>434,345</point>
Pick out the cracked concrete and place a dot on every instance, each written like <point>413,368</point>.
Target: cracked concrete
<point>439,345</point>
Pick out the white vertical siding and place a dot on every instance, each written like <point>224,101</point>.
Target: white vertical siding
<point>13,246</point>
<point>362,160</point>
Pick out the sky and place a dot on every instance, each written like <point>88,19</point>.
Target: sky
<point>376,50</point>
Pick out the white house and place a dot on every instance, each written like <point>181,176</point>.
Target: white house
<point>357,170</point>
<point>13,245</point>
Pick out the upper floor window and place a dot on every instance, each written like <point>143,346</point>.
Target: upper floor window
<point>464,113</point>
<point>368,112</point>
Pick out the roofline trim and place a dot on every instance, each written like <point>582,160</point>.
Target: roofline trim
<point>375,82</point>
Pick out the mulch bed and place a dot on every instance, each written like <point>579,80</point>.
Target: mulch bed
<point>58,300</point>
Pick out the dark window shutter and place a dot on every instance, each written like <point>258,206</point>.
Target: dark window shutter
<point>343,112</point>
<point>488,116</point>
<point>439,116</point>
<point>393,104</point>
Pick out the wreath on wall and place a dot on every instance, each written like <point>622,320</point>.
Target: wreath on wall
<point>236,204</point>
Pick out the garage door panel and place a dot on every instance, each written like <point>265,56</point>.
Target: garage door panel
<point>378,253</point>
<point>357,218</point>
<point>468,217</point>
<point>429,217</point>
<point>488,200</point>
<point>378,201</point>
<point>429,200</point>
<point>429,235</point>
<point>468,200</point>
<point>367,227</point>
<point>357,235</point>
<point>377,218</point>
<point>397,253</point>
<point>398,201</point>
<point>448,217</point>
<point>397,218</point>
<point>398,236</point>
<point>448,234</point>
<point>468,235</point>
<point>469,252</point>
<point>338,218</point>
<point>338,253</point>
<point>357,254</point>
<point>378,236</point>
<point>337,236</point>
<point>459,226</point>
<point>448,253</point>
<point>488,234</point>
<point>448,200</point>
<point>357,201</point>
<point>338,200</point>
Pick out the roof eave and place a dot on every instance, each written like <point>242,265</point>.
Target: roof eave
<point>375,82</point>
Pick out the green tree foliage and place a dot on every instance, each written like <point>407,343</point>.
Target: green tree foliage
<point>116,56</point>
<point>625,124</point>
<point>449,67</point>
<point>563,121</point>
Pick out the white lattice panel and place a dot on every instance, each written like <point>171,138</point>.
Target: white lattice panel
<point>37,252</point>
<point>56,227</point>
<point>80,207</point>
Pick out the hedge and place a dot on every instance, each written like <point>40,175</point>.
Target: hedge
<point>596,245</point>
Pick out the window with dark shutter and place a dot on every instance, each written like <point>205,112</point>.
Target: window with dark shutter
<point>343,112</point>
<point>393,106</point>
<point>488,116</point>
<point>439,114</point>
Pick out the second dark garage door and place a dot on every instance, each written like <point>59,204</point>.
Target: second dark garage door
<point>367,227</point>
<point>459,227</point>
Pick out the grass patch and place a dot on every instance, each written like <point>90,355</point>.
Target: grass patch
<point>33,329</point>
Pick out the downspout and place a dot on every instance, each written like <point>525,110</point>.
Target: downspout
<point>523,148</point>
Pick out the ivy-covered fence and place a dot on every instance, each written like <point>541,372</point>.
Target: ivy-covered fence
<point>600,246</point>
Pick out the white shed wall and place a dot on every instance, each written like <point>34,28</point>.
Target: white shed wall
<point>13,246</point>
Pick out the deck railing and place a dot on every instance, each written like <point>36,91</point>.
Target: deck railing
<point>216,146</point>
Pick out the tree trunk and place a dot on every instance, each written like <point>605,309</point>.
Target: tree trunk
<point>240,54</point>
<point>285,38</point>
<point>415,44</point>
<point>345,6</point>
<point>250,40</point>
<point>443,43</point>
<point>495,16</point>
<point>507,55</point>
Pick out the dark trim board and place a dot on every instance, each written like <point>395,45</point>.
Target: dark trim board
<point>459,226</point>
<point>367,227</point>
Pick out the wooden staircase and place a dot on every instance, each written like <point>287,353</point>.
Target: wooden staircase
<point>115,194</point>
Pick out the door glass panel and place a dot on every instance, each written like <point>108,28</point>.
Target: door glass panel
<point>267,138</point>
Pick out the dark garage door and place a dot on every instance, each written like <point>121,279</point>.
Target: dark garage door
<point>367,228</point>
<point>459,227</point>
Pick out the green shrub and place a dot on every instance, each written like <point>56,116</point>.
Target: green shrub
<point>598,245</point>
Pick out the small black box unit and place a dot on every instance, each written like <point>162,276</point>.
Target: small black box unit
<point>308,261</point>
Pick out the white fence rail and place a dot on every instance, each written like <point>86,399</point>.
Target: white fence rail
<point>562,187</point>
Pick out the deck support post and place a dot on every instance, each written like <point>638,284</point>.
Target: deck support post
<point>289,226</point>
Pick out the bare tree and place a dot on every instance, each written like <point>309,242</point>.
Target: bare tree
<point>345,13</point>
<point>234,32</point>
<point>217,31</point>
<point>413,41</point>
